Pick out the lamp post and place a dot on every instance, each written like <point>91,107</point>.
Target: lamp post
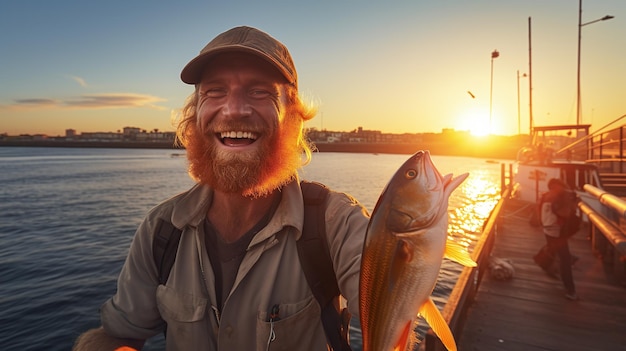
<point>519,128</point>
<point>580,26</point>
<point>530,79</point>
<point>494,55</point>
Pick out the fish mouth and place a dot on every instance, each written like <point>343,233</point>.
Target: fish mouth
<point>237,138</point>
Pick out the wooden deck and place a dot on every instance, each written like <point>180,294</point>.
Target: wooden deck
<point>530,312</point>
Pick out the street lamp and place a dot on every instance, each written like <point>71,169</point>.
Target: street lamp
<point>519,128</point>
<point>494,55</point>
<point>580,26</point>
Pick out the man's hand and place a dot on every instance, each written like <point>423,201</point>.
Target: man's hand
<point>98,340</point>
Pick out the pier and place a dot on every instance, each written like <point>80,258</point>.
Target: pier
<point>529,311</point>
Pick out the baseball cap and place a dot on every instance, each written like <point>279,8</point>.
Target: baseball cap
<point>243,39</point>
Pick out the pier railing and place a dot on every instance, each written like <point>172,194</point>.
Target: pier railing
<point>607,229</point>
<point>463,293</point>
<point>607,150</point>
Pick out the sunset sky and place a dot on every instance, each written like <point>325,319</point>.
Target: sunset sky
<point>404,66</point>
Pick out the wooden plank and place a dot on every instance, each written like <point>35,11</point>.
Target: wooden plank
<point>529,312</point>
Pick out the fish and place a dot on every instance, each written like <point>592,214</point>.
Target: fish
<point>405,243</point>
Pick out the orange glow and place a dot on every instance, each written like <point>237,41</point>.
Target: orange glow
<point>475,120</point>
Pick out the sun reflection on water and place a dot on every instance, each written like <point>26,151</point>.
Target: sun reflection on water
<point>471,206</point>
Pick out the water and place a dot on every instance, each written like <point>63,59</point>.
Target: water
<point>67,217</point>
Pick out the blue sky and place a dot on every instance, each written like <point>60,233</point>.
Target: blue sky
<point>401,67</point>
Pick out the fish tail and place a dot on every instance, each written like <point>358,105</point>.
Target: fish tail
<point>435,320</point>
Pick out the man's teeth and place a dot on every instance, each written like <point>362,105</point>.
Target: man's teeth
<point>238,135</point>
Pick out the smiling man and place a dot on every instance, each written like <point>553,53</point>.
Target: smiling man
<point>236,282</point>
<point>242,129</point>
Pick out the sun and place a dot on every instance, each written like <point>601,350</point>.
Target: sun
<point>476,121</point>
<point>480,130</point>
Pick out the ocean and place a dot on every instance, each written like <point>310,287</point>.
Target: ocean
<point>68,215</point>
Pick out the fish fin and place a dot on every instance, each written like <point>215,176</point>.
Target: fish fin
<point>435,320</point>
<point>404,337</point>
<point>457,253</point>
<point>452,183</point>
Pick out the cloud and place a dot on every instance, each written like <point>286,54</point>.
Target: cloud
<point>36,102</point>
<point>92,101</point>
<point>80,81</point>
<point>114,101</point>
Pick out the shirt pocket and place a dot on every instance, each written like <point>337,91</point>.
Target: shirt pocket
<point>176,306</point>
<point>295,330</point>
<point>186,317</point>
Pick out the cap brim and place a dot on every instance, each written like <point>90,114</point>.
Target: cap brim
<point>192,72</point>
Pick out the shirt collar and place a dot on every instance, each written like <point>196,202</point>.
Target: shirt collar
<point>191,208</point>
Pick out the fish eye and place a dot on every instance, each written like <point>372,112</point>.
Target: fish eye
<point>410,174</point>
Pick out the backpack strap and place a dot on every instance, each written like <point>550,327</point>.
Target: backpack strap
<point>318,266</point>
<point>164,248</point>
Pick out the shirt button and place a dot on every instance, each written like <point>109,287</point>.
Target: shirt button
<point>228,331</point>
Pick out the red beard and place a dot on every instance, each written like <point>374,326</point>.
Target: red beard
<point>255,174</point>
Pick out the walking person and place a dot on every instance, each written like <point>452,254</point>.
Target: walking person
<point>237,282</point>
<point>559,222</point>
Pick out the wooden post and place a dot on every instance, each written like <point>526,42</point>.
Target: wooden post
<point>536,185</point>
<point>502,179</point>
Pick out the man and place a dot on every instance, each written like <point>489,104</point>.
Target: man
<point>236,283</point>
<point>560,222</point>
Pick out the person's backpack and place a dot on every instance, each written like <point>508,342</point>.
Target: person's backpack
<point>565,204</point>
<point>567,207</point>
<point>314,258</point>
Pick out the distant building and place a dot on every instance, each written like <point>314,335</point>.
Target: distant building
<point>130,133</point>
<point>101,136</point>
<point>70,134</point>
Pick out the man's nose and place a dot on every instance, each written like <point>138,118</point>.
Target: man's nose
<point>237,105</point>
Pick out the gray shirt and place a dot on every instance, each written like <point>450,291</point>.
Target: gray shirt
<point>269,274</point>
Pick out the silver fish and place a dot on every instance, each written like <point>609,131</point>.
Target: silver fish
<point>405,244</point>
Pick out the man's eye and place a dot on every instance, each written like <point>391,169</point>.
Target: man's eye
<point>215,92</point>
<point>259,93</point>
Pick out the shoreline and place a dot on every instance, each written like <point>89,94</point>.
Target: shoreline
<point>441,149</point>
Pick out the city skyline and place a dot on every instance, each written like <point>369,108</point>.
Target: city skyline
<point>412,67</point>
<point>120,130</point>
